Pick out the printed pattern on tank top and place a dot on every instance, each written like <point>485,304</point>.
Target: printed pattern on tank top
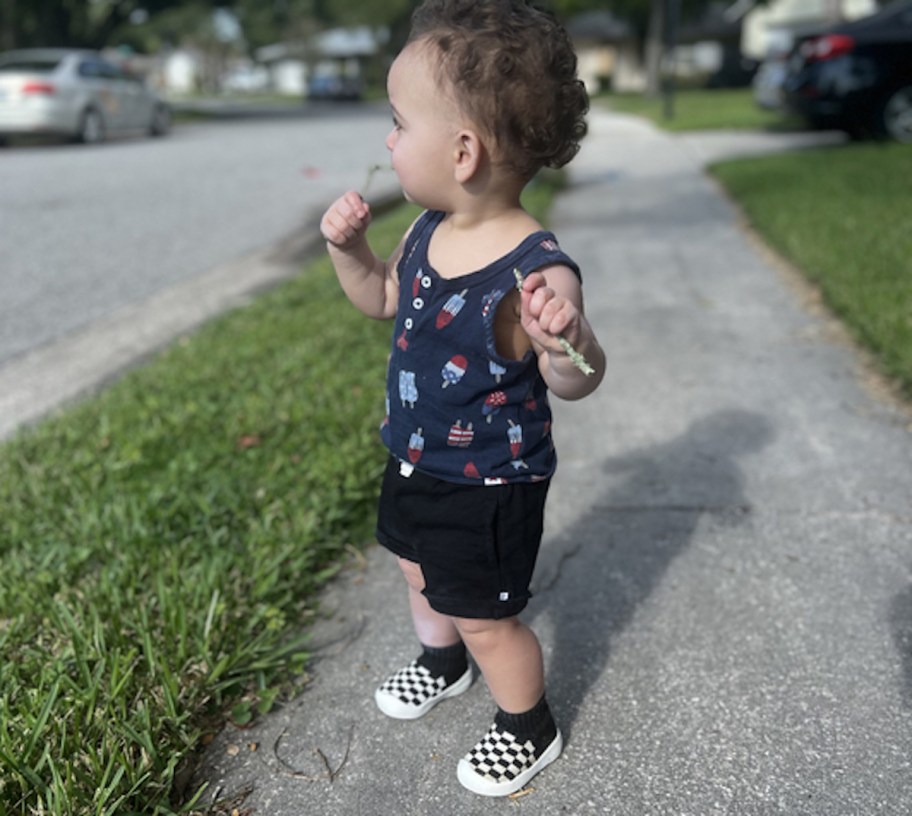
<point>456,408</point>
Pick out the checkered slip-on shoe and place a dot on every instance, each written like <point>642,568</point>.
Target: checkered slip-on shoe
<point>500,764</point>
<point>413,691</point>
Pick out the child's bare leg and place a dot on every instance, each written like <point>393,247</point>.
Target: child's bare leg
<point>524,738</point>
<point>432,628</point>
<point>441,671</point>
<point>510,658</point>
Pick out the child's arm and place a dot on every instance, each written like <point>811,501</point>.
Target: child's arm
<point>552,307</point>
<point>369,282</point>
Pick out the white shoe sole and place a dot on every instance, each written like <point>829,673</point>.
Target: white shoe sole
<point>393,707</point>
<point>479,784</point>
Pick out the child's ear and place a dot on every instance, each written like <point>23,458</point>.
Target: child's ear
<point>469,153</point>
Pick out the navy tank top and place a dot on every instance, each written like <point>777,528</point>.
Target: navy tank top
<point>456,409</point>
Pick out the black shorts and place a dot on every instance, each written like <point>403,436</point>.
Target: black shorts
<point>476,545</point>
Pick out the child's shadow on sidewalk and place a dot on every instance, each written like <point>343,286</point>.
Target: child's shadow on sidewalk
<point>605,565</point>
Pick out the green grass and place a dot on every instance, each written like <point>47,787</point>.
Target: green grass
<point>842,215</point>
<point>163,543</point>
<point>701,110</point>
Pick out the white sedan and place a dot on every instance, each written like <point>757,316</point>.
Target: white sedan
<point>77,94</point>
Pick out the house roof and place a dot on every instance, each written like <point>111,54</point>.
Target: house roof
<point>362,41</point>
<point>336,43</point>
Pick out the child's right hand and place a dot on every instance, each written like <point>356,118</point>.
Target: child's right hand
<point>346,221</point>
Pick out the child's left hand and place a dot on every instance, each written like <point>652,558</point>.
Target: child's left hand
<point>546,314</point>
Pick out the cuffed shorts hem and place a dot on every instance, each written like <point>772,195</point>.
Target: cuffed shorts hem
<point>495,610</point>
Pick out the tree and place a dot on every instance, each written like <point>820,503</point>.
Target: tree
<point>649,20</point>
<point>82,24</point>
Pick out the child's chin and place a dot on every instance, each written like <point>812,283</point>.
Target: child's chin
<point>420,201</point>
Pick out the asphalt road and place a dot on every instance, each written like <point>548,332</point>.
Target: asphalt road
<point>88,231</point>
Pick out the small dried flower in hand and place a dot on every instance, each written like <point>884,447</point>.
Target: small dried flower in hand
<point>575,357</point>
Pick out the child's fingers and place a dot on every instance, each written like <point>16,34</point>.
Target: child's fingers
<point>348,217</point>
<point>336,229</point>
<point>353,204</point>
<point>532,282</point>
<point>532,298</point>
<point>537,299</point>
<point>550,313</point>
<point>346,223</point>
<point>353,210</point>
<point>555,314</point>
<point>562,317</point>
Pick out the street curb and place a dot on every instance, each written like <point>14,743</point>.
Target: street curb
<point>39,382</point>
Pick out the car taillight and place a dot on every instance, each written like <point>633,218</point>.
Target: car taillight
<point>38,88</point>
<point>827,48</point>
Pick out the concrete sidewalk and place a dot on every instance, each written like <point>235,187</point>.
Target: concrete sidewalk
<point>724,593</point>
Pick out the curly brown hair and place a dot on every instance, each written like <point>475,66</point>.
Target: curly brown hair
<point>513,72</point>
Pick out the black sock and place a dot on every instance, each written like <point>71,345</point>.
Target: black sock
<point>536,725</point>
<point>449,661</point>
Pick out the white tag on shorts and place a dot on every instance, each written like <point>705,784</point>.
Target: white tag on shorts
<point>406,469</point>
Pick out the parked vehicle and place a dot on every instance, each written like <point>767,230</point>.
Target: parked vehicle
<point>76,94</point>
<point>857,76</point>
<point>335,87</point>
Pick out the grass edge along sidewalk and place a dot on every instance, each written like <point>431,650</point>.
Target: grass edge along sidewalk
<point>163,542</point>
<point>841,215</point>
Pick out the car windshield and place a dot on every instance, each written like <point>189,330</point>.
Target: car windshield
<point>32,66</point>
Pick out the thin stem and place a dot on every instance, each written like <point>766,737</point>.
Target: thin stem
<point>575,357</point>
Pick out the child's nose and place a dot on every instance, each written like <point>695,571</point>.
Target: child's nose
<point>391,139</point>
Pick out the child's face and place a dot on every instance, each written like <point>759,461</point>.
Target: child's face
<point>425,128</point>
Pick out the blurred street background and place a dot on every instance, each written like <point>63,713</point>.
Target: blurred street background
<point>85,232</point>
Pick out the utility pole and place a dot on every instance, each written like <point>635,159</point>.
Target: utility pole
<point>672,20</point>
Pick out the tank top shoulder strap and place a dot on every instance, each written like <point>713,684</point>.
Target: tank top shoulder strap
<point>540,250</point>
<point>425,224</point>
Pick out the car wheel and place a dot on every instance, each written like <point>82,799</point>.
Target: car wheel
<point>91,127</point>
<point>896,115</point>
<point>161,121</point>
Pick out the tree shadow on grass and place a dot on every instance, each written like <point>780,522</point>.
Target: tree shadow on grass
<point>592,578</point>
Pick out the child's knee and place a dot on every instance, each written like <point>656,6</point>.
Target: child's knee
<point>486,631</point>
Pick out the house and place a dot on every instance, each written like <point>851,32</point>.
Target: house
<point>607,53</point>
<point>179,72</point>
<point>708,50</point>
<point>330,64</point>
<point>286,67</point>
<point>338,61</point>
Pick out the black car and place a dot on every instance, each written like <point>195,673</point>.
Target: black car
<point>857,77</point>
